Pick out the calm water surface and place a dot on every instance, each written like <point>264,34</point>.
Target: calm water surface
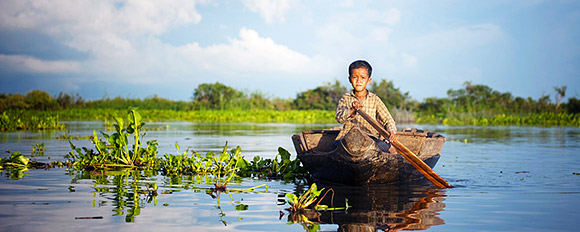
<point>505,178</point>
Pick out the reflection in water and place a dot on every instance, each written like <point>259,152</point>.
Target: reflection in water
<point>126,189</point>
<point>413,206</point>
<point>384,207</point>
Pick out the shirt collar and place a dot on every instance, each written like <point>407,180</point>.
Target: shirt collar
<point>369,93</point>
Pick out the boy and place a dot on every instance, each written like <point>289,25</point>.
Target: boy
<point>360,98</point>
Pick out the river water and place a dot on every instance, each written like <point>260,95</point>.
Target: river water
<point>504,178</point>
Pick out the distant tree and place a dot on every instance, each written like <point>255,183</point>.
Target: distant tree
<point>258,100</point>
<point>391,96</point>
<point>314,99</point>
<point>13,101</point>
<point>433,106</point>
<point>215,96</point>
<point>543,103</point>
<point>156,102</point>
<point>473,97</point>
<point>573,105</point>
<point>282,104</point>
<point>561,93</point>
<point>324,97</point>
<point>65,100</point>
<point>335,91</point>
<point>40,100</point>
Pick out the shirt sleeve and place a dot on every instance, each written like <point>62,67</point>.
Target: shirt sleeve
<point>343,110</point>
<point>384,117</point>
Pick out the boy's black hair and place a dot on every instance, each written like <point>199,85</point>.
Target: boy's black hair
<point>359,64</point>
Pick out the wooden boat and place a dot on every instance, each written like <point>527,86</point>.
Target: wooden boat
<point>360,159</point>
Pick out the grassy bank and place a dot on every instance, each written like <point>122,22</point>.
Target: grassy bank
<point>51,120</point>
<point>537,119</point>
<point>29,120</point>
<point>259,116</point>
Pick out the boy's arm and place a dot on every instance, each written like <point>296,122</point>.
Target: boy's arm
<point>385,118</point>
<point>343,111</point>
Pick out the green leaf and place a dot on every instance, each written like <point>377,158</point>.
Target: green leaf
<point>134,117</point>
<point>291,198</point>
<point>17,157</point>
<point>241,163</point>
<point>120,123</point>
<point>284,154</point>
<point>236,151</point>
<point>130,128</point>
<point>241,207</point>
<point>223,157</point>
<point>225,148</point>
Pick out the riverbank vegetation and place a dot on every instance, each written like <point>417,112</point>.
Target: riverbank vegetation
<point>472,104</point>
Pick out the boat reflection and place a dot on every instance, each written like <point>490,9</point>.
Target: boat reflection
<point>383,207</point>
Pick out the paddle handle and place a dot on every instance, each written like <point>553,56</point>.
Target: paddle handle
<point>407,154</point>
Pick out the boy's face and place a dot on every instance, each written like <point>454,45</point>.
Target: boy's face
<point>360,79</point>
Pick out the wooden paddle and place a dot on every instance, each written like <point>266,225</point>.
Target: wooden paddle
<point>408,154</point>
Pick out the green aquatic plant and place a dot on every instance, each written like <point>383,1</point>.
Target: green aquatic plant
<point>226,165</point>
<point>19,161</point>
<point>193,163</point>
<point>16,160</point>
<point>280,167</point>
<point>114,150</point>
<point>18,164</point>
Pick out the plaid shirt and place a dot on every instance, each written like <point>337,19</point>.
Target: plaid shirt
<point>372,105</point>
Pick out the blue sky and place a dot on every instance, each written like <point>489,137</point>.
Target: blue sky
<point>139,48</point>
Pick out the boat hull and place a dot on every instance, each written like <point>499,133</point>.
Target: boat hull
<point>361,160</point>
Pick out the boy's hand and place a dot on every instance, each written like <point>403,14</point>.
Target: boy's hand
<point>392,137</point>
<point>355,105</point>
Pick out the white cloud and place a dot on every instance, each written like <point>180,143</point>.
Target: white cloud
<point>105,27</point>
<point>21,63</point>
<point>123,39</point>
<point>249,53</point>
<point>271,10</point>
